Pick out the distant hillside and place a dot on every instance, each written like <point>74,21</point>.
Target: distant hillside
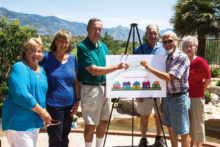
<point>49,25</point>
<point>45,25</point>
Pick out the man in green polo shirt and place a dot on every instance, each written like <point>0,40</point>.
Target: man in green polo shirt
<point>92,70</point>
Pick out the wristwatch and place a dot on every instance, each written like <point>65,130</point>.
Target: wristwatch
<point>78,98</point>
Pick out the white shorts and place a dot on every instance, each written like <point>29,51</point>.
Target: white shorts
<point>95,105</point>
<point>145,108</point>
<point>22,138</point>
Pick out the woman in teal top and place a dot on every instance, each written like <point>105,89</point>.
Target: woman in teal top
<point>24,108</point>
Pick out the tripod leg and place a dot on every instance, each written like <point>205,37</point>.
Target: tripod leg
<point>128,41</point>
<point>133,44</point>
<point>109,121</point>
<point>132,122</point>
<point>139,38</point>
<point>158,113</point>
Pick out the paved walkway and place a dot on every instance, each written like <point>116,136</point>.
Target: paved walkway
<point>76,140</point>
<point>122,140</point>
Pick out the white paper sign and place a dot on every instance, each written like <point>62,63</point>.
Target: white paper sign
<point>136,81</point>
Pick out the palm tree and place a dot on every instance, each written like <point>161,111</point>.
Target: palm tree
<point>200,17</point>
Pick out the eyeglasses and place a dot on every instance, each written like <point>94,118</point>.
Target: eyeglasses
<point>167,41</point>
<point>53,123</point>
<point>188,46</point>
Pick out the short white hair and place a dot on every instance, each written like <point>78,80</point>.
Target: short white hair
<point>190,38</point>
<point>152,25</point>
<point>170,33</point>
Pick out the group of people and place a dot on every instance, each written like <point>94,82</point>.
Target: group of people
<point>45,89</point>
<point>187,75</point>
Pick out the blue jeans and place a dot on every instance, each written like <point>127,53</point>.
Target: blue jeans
<point>175,113</point>
<point>58,134</point>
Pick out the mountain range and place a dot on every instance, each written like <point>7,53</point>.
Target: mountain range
<point>49,25</point>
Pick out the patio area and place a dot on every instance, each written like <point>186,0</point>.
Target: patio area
<point>114,139</point>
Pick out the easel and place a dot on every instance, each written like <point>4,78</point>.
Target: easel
<point>132,29</point>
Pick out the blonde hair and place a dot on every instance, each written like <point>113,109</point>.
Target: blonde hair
<point>31,43</point>
<point>61,35</point>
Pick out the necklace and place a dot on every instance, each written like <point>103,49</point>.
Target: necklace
<point>38,76</point>
<point>63,59</point>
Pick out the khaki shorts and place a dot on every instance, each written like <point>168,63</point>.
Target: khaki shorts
<point>145,108</point>
<point>95,105</point>
<point>196,115</point>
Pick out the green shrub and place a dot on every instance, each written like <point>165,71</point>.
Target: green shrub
<point>218,83</point>
<point>208,96</point>
<point>12,37</point>
<point>215,72</point>
<point>4,90</point>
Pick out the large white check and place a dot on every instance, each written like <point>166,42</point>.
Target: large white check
<point>136,81</point>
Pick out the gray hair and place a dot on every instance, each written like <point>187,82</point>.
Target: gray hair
<point>148,27</point>
<point>92,20</point>
<point>170,33</point>
<point>190,38</point>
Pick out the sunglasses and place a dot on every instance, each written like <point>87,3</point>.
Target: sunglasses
<point>167,41</point>
<point>53,123</point>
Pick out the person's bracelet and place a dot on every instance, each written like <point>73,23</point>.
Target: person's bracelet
<point>78,98</point>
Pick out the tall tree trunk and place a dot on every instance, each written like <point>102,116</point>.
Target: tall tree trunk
<point>201,44</point>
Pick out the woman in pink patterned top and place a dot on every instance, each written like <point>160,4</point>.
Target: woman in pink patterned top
<point>199,79</point>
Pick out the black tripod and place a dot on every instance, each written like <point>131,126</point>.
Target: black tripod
<point>132,29</point>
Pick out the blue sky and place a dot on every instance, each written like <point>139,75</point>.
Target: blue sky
<point>111,12</point>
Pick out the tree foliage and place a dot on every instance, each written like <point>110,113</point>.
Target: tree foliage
<point>115,47</point>
<point>12,37</point>
<point>200,17</point>
<point>75,40</point>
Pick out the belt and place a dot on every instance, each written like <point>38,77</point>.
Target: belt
<point>99,84</point>
<point>176,94</point>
